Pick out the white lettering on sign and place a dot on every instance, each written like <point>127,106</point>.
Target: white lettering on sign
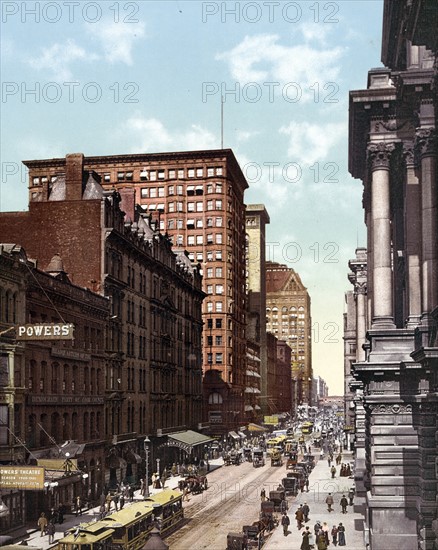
<point>54,331</point>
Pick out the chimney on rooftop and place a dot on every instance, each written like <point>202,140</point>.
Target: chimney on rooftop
<point>74,167</point>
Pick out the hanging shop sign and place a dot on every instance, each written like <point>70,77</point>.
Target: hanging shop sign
<point>45,331</point>
<point>21,477</point>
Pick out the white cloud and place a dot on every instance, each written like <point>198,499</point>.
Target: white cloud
<point>261,58</point>
<point>150,135</point>
<point>58,57</point>
<point>117,39</point>
<point>245,135</point>
<point>309,142</point>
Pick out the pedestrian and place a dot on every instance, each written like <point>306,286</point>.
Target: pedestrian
<point>344,504</point>
<point>142,492</point>
<point>116,501</point>
<point>305,545</point>
<point>78,506</point>
<point>131,494</point>
<point>51,531</point>
<point>122,501</point>
<point>317,528</point>
<point>339,459</point>
<point>341,535</point>
<point>263,494</point>
<point>325,530</point>
<point>108,501</point>
<point>329,501</point>
<point>329,460</point>
<point>102,511</point>
<point>333,471</point>
<point>305,508</point>
<point>186,494</point>
<point>307,484</point>
<point>351,495</point>
<point>334,535</point>
<point>285,521</point>
<point>299,516</point>
<point>320,542</point>
<point>42,523</point>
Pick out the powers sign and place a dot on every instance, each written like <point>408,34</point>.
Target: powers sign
<point>45,331</point>
<point>21,477</point>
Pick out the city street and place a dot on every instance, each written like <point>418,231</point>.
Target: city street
<point>233,500</point>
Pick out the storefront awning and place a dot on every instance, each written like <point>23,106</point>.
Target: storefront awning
<point>257,407</point>
<point>187,440</point>
<point>233,435</point>
<point>242,435</point>
<point>248,408</point>
<point>256,428</point>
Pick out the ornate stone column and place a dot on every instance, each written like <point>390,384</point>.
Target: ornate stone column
<point>412,236</point>
<point>427,149</point>
<point>379,156</point>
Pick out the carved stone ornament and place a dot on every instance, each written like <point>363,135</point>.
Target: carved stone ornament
<point>360,288</point>
<point>427,142</point>
<point>396,408</point>
<point>409,153</point>
<point>379,155</point>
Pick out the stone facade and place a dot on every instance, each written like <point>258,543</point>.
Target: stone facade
<point>393,150</point>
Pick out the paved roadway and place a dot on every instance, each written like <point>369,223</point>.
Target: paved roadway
<point>233,500</point>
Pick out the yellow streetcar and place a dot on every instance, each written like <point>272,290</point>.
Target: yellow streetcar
<point>128,529</point>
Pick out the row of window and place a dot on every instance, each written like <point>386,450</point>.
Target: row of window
<point>163,174</point>
<point>178,206</point>
<point>191,190</point>
<point>285,309</point>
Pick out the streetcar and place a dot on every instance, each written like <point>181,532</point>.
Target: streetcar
<point>130,527</point>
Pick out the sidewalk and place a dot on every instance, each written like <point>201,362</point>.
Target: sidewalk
<point>34,538</point>
<point>320,485</point>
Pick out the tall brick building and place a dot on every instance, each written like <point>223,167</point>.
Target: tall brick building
<point>149,358</point>
<point>196,198</point>
<point>288,318</point>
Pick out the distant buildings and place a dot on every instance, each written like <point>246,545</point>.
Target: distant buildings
<point>256,219</point>
<point>393,150</point>
<point>288,317</point>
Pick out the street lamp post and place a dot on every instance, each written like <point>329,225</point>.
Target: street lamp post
<point>146,481</point>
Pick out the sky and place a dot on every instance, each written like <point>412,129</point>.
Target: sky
<point>114,77</point>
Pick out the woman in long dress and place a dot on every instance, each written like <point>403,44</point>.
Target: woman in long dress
<point>341,535</point>
<point>305,545</point>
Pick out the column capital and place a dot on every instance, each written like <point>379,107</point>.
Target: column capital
<point>360,288</point>
<point>427,142</point>
<point>379,155</point>
<point>409,153</point>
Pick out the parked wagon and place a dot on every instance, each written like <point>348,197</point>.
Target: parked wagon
<point>291,485</point>
<point>292,460</point>
<point>279,500</point>
<point>236,541</point>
